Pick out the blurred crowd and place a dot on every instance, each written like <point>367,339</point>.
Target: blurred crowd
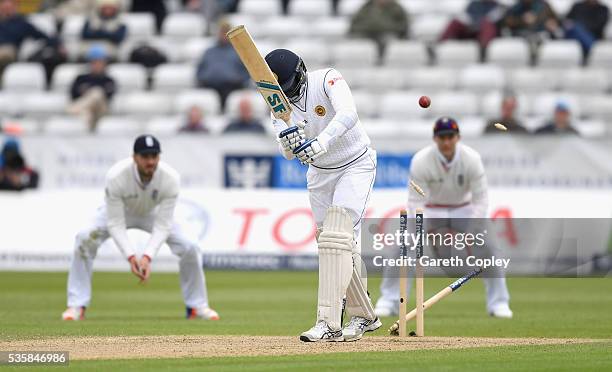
<point>220,69</point>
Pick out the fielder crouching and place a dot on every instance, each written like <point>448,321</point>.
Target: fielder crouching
<point>326,134</point>
<point>141,193</point>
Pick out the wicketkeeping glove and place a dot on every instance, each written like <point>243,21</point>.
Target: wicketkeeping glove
<point>293,137</point>
<point>309,151</point>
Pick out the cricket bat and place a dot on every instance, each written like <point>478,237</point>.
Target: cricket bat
<point>260,72</point>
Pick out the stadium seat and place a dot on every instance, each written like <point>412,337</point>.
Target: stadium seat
<point>206,99</point>
<point>471,126</point>
<point>165,125</point>
<point>597,106</point>
<point>194,48</point>
<point>382,128</point>
<point>450,7</point>
<point>358,78</point>
<point>560,54</point>
<point>454,104</point>
<point>128,76</point>
<point>601,55</point>
<point>431,79</point>
<point>315,53</point>
<point>429,27</point>
<point>532,79</point>
<point>73,26</point>
<point>585,80</point>
<point>509,52</point>
<point>65,125</point>
<point>44,22</point>
<point>275,28</point>
<point>384,79</point>
<point>260,8</point>
<point>480,78</point>
<point>44,104</point>
<point>310,8</point>
<point>415,129</point>
<point>10,103</point>
<point>490,105</point>
<point>367,106</point>
<point>64,75</point>
<point>401,105</point>
<point>355,53</point>
<point>544,104</point>
<point>457,53</point>
<point>180,26</point>
<point>561,7</point>
<point>141,26</point>
<point>260,109</point>
<point>141,104</point>
<point>416,8</point>
<point>406,54</point>
<point>591,128</point>
<point>23,77</point>
<point>119,125</point>
<point>330,28</point>
<point>349,7</point>
<point>174,77</point>
<point>169,46</point>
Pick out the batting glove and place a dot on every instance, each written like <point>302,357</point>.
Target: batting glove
<point>310,151</point>
<point>293,137</point>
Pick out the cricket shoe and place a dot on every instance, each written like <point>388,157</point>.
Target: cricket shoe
<point>358,325</point>
<point>321,332</point>
<point>74,313</point>
<point>501,312</point>
<point>202,313</point>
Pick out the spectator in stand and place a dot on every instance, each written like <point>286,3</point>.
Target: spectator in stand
<point>195,121</point>
<point>380,20</point>
<point>14,29</point>
<point>246,122</point>
<point>535,20</point>
<point>560,123</point>
<point>478,22</point>
<point>105,27</point>
<point>15,175</point>
<point>156,7</point>
<point>92,92</point>
<point>221,69</point>
<point>508,117</point>
<point>591,15</point>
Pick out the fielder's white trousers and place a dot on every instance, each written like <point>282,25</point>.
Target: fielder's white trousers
<point>495,287</point>
<point>348,187</point>
<point>193,283</point>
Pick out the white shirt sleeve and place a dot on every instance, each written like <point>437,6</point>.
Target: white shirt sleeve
<point>478,187</point>
<point>418,176</point>
<point>163,219</point>
<point>341,99</point>
<point>115,212</point>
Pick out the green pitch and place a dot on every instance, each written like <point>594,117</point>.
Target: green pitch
<point>283,303</point>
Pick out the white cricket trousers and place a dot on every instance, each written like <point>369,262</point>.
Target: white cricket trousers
<point>496,290</point>
<point>348,187</point>
<point>193,283</point>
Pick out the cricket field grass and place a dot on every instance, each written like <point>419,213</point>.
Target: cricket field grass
<point>559,324</point>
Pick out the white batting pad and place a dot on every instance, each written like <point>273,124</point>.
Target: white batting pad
<point>335,264</point>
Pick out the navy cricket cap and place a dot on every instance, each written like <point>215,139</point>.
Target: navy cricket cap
<point>146,144</point>
<point>445,126</point>
<point>285,64</point>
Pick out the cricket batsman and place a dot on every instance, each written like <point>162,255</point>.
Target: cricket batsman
<point>325,133</point>
<point>453,178</point>
<point>141,193</point>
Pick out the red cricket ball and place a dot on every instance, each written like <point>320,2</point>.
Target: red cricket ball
<point>424,101</point>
